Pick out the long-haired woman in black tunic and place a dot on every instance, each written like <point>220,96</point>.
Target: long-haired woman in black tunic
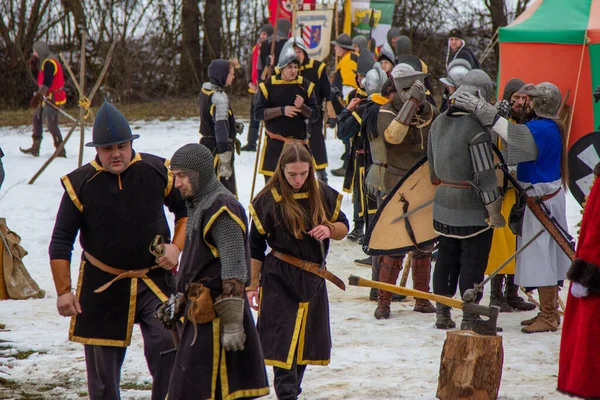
<point>295,215</point>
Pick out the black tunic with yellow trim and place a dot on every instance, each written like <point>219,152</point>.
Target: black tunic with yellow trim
<point>209,139</point>
<point>240,374</point>
<point>314,71</point>
<point>360,159</point>
<point>278,92</point>
<point>293,315</point>
<point>117,217</point>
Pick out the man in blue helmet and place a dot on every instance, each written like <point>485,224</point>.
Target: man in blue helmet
<point>116,204</point>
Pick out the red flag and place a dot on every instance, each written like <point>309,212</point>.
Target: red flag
<point>285,8</point>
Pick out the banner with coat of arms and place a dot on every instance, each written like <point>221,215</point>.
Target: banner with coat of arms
<point>358,18</point>
<point>314,27</point>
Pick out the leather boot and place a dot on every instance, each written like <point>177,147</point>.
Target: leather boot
<point>547,319</point>
<point>341,171</point>
<point>388,273</point>
<point>421,275</point>
<point>57,141</point>
<point>357,231</point>
<point>511,291</point>
<point>496,297</point>
<point>34,150</point>
<point>442,317</point>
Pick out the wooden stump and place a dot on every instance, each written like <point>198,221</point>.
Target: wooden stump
<point>471,366</point>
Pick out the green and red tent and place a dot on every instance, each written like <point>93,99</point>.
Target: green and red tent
<point>557,41</point>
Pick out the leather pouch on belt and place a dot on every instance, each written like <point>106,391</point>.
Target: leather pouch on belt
<point>200,310</point>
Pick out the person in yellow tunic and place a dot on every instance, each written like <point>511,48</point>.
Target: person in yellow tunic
<point>504,292</point>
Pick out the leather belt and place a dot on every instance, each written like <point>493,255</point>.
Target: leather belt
<point>311,267</point>
<point>121,273</point>
<point>362,151</point>
<point>458,185</point>
<point>391,169</point>
<point>547,197</point>
<point>276,136</point>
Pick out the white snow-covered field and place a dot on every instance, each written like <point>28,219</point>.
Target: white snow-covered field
<point>394,359</point>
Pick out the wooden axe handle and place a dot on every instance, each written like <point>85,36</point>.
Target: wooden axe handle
<point>358,281</point>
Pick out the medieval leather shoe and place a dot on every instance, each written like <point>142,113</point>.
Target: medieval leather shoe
<point>249,147</point>
<point>442,317</point>
<point>357,231</point>
<point>341,171</point>
<point>547,319</point>
<point>511,293</point>
<point>34,150</point>
<point>365,262</point>
<point>496,297</point>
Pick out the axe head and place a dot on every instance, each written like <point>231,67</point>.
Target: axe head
<point>483,327</point>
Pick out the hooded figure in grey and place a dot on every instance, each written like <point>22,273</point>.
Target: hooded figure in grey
<point>360,41</point>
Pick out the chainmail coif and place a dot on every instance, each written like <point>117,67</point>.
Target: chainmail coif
<point>199,160</point>
<point>511,88</point>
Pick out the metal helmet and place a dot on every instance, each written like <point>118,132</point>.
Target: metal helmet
<point>391,33</point>
<point>360,41</point>
<point>298,42</point>
<point>287,55</point>
<point>365,62</point>
<point>405,75</point>
<point>457,70</point>
<point>477,83</point>
<point>403,45</point>
<point>375,79</point>
<point>386,52</point>
<point>546,98</point>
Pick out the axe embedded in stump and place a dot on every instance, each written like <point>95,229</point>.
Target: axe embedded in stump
<point>482,327</point>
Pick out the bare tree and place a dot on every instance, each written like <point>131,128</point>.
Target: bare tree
<point>190,64</point>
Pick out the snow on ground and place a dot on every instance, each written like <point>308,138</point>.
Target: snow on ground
<point>394,359</point>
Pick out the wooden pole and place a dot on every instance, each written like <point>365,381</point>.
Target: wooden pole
<point>80,120</point>
<point>81,95</point>
<point>258,148</point>
<point>337,30</point>
<point>407,264</point>
<point>294,7</point>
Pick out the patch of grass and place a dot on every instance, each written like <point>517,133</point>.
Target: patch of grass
<point>21,355</point>
<point>135,386</point>
<point>178,108</point>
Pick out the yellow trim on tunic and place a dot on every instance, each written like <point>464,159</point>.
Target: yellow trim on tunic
<point>264,90</point>
<point>53,62</point>
<point>155,289</point>
<point>274,81</point>
<point>300,359</point>
<point>216,324</point>
<point>357,117</point>
<point>379,99</point>
<point>207,92</point>
<point>256,220</point>
<point>99,167</point>
<point>302,309</point>
<point>170,178</point>
<point>214,250</point>
<point>130,318</point>
<point>71,192</point>
<point>239,393</point>
<point>261,170</point>
<point>277,196</point>
<point>320,70</point>
<point>311,87</point>
<point>338,207</point>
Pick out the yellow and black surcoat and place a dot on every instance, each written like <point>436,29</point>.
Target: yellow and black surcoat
<point>278,92</point>
<point>241,374</point>
<point>117,217</point>
<point>314,71</point>
<point>218,136</point>
<point>293,317</point>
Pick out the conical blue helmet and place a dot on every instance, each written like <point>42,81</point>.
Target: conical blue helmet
<point>110,127</point>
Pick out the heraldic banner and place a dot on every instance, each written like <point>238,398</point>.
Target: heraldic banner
<point>285,9</point>
<point>314,27</point>
<point>358,15</point>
